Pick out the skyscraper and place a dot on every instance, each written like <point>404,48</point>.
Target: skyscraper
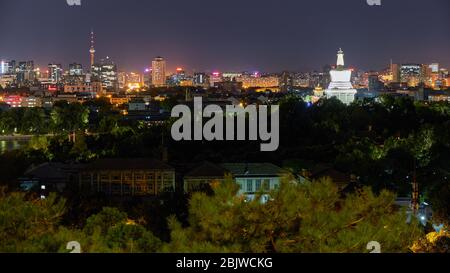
<point>11,67</point>
<point>75,69</point>
<point>25,73</point>
<point>201,79</point>
<point>159,72</point>
<point>106,73</point>
<point>178,77</point>
<point>55,73</point>
<point>286,82</point>
<point>395,71</point>
<point>4,67</point>
<point>434,67</point>
<point>215,78</point>
<point>92,49</point>
<point>374,84</point>
<point>412,74</point>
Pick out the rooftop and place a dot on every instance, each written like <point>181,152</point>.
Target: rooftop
<point>128,164</point>
<point>253,169</point>
<point>207,169</point>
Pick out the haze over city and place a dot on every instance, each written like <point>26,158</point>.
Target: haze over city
<point>269,36</point>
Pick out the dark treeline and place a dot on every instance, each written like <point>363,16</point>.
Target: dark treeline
<point>382,143</point>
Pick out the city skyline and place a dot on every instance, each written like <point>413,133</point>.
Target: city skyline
<point>186,37</point>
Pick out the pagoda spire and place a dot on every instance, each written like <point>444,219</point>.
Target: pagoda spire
<point>340,58</point>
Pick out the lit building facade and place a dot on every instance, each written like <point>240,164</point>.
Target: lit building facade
<point>159,72</point>
<point>25,73</point>
<point>7,80</point>
<point>4,67</point>
<point>255,178</point>
<point>128,177</point>
<point>106,73</point>
<point>75,69</point>
<point>411,74</point>
<point>95,88</point>
<point>130,81</point>
<point>256,80</point>
<point>14,101</point>
<point>215,78</point>
<point>55,73</point>
<point>395,71</point>
<point>177,78</point>
<point>201,79</point>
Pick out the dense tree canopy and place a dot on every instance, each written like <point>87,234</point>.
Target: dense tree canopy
<point>31,225</point>
<point>311,217</point>
<point>383,143</point>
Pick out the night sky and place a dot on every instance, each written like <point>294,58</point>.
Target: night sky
<point>231,35</point>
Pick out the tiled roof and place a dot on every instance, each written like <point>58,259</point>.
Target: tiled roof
<point>128,164</point>
<point>207,169</point>
<point>253,169</point>
<point>52,170</point>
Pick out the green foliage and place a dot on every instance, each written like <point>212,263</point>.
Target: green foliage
<point>310,217</point>
<point>440,194</point>
<point>39,143</point>
<point>34,121</point>
<point>26,121</point>
<point>80,150</point>
<point>108,217</point>
<point>132,238</point>
<point>433,243</point>
<point>23,223</point>
<point>29,225</point>
<point>69,117</point>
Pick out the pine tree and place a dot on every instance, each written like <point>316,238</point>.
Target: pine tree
<point>300,218</point>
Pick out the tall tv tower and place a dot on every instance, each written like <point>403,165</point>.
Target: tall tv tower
<point>92,50</point>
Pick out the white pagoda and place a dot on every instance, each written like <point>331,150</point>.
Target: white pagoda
<point>341,86</point>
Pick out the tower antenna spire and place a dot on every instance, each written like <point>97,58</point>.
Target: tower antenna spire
<point>92,49</point>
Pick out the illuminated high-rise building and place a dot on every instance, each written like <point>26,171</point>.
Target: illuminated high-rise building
<point>75,69</point>
<point>286,82</point>
<point>215,78</point>
<point>9,67</point>
<point>122,79</point>
<point>434,67</point>
<point>177,78</point>
<point>4,67</point>
<point>159,72</point>
<point>55,73</point>
<point>25,73</point>
<point>395,71</point>
<point>147,77</point>
<point>130,81</point>
<point>412,74</point>
<point>374,83</point>
<point>106,73</point>
<point>201,79</point>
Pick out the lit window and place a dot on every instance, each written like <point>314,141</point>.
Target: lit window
<point>249,185</point>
